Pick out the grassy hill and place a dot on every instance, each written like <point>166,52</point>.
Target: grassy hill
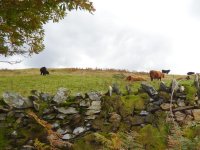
<point>136,120</point>
<point>77,80</point>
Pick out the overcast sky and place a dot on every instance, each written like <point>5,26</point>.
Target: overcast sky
<point>138,35</point>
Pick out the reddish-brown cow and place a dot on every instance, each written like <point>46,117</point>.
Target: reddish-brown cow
<point>135,78</point>
<point>156,75</point>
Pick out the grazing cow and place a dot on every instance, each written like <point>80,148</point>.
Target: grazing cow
<point>187,78</point>
<point>43,71</point>
<point>190,73</point>
<point>135,78</point>
<point>156,75</point>
<point>129,78</point>
<point>165,71</point>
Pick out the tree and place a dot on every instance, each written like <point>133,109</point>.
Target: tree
<point>21,22</point>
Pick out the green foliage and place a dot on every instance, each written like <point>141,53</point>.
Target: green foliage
<point>166,96</point>
<point>135,102</point>
<point>189,139</point>
<point>2,103</point>
<point>42,106</point>
<point>187,144</point>
<point>192,132</point>
<point>188,133</point>
<point>151,138</point>
<point>41,146</point>
<point>111,142</point>
<point>111,104</point>
<point>129,140</point>
<point>144,96</point>
<point>21,28</point>
<point>82,145</point>
<point>5,131</point>
<point>99,140</point>
<point>190,92</point>
<point>119,76</point>
<point>118,104</point>
<point>70,100</point>
<point>3,139</point>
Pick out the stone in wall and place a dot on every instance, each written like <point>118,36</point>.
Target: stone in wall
<point>61,95</point>
<point>196,114</point>
<point>179,116</point>
<point>17,101</point>
<point>69,110</point>
<point>149,89</point>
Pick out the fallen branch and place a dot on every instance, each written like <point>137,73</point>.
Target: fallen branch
<point>11,62</point>
<point>53,137</point>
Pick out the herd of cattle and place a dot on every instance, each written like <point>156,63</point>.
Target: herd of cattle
<point>153,75</point>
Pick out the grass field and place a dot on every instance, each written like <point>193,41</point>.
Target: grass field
<point>81,81</point>
<point>77,80</point>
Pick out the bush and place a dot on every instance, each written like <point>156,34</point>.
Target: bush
<point>151,138</point>
<point>190,92</point>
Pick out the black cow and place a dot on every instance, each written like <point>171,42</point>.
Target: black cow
<point>188,78</point>
<point>165,71</point>
<point>43,71</point>
<point>190,73</point>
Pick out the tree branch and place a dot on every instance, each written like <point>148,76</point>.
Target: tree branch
<point>11,62</point>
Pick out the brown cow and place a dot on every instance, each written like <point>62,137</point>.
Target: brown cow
<point>135,78</point>
<point>156,75</point>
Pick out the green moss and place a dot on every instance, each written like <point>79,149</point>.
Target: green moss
<point>11,120</point>
<point>164,95</point>
<point>35,130</point>
<point>111,104</point>
<point>68,102</point>
<point>135,102</point>
<point>2,103</point>
<point>123,105</point>
<point>5,131</point>
<point>3,138</point>
<point>144,96</point>
<point>86,143</point>
<point>124,127</point>
<point>42,106</point>
<point>99,124</point>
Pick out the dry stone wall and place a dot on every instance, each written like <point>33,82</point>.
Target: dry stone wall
<point>73,116</point>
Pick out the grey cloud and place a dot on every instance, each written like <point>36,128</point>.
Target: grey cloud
<point>138,51</point>
<point>101,40</point>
